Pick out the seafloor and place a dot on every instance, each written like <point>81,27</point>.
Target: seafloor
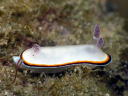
<point>61,22</point>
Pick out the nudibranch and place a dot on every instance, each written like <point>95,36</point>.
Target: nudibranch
<point>58,58</point>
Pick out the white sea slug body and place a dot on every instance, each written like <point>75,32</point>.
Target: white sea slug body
<point>58,58</point>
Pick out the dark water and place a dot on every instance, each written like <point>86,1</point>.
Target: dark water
<point>121,6</point>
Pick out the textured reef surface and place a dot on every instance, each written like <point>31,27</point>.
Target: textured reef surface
<point>57,22</point>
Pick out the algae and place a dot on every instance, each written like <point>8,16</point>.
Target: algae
<point>55,22</point>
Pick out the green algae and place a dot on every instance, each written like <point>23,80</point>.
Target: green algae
<point>55,22</point>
